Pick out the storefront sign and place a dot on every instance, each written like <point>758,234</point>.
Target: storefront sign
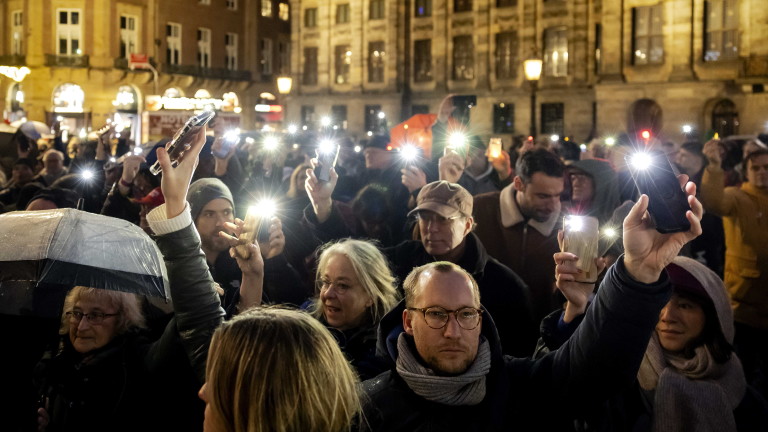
<point>156,103</point>
<point>159,124</point>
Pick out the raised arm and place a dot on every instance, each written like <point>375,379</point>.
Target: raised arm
<point>712,192</point>
<point>196,304</point>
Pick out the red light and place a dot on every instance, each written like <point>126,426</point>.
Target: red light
<point>530,138</point>
<point>646,134</point>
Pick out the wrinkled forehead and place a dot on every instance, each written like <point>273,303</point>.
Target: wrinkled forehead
<point>449,289</point>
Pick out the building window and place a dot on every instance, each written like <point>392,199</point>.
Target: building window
<point>505,3</point>
<point>372,120</point>
<point>308,116</point>
<point>283,57</point>
<point>376,10</point>
<point>504,118</point>
<point>552,121</point>
<point>647,38</point>
<point>173,42</point>
<point>284,11</point>
<point>422,60</point>
<point>266,8</point>
<point>17,32</point>
<point>230,50</point>
<point>343,63</point>
<point>463,58</point>
<point>556,52</point>
<point>69,32</point>
<point>419,109</point>
<point>462,5</point>
<point>506,62</point>
<point>376,62</point>
<point>422,8</point>
<point>598,46</point>
<point>342,13</point>
<point>721,30</point>
<point>204,2</point>
<point>309,76</point>
<point>725,118</point>
<point>339,116</point>
<point>129,37</point>
<point>266,56</point>
<point>232,4</point>
<point>310,17</point>
<point>204,47</point>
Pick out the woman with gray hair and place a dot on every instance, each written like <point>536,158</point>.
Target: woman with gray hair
<point>355,289</point>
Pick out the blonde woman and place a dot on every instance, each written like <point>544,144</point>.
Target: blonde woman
<point>273,369</point>
<point>355,290</point>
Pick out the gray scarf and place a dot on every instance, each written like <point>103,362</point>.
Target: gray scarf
<point>465,389</point>
<point>691,394</point>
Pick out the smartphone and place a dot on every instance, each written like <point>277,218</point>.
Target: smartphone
<point>326,157</point>
<point>180,142</point>
<point>655,177</point>
<point>230,140</point>
<point>494,148</point>
<point>581,237</point>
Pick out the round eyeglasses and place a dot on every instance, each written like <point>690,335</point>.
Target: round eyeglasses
<point>437,317</point>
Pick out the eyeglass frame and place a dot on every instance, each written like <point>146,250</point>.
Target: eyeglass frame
<point>93,318</point>
<point>449,312</point>
<point>437,218</point>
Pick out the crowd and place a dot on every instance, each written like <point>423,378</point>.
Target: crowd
<point>392,290</point>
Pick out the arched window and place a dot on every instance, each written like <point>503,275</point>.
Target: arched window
<point>15,97</point>
<point>68,97</point>
<point>173,92</point>
<point>725,118</point>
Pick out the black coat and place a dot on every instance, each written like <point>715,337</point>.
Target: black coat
<point>524,394</point>
<point>502,292</point>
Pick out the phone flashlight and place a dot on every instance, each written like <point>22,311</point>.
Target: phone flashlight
<point>610,141</point>
<point>327,152</point>
<point>86,174</point>
<point>409,153</point>
<point>256,225</point>
<point>641,161</point>
<point>271,143</point>
<point>581,237</point>
<point>457,140</point>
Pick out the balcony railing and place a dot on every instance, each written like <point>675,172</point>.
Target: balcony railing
<point>13,60</point>
<point>215,73</point>
<point>55,60</point>
<point>122,63</point>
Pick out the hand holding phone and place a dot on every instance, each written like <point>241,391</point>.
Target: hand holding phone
<point>224,144</point>
<point>494,148</point>
<point>327,154</point>
<point>580,237</point>
<point>655,177</point>
<point>181,142</point>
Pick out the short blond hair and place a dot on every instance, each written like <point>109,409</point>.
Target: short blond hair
<point>413,288</point>
<point>274,369</point>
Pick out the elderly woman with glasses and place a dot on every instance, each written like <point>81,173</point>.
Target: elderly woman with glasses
<point>106,373</point>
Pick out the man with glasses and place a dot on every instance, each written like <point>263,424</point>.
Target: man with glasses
<point>444,217</point>
<point>448,370</point>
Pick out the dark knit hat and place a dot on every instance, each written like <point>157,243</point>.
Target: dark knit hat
<point>63,198</point>
<point>379,141</point>
<point>205,190</point>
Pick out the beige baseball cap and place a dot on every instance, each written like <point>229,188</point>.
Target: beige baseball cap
<point>444,198</point>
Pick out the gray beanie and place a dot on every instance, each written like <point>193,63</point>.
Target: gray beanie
<point>205,190</point>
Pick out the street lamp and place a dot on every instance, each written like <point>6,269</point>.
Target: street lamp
<point>532,68</point>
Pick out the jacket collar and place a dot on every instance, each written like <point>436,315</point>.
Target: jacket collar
<point>752,190</point>
<point>511,214</point>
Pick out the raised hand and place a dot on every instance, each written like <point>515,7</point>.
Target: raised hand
<point>576,293</point>
<point>251,265</point>
<point>646,251</point>
<point>276,243</point>
<point>175,181</point>
<point>413,178</point>
<point>451,166</point>
<point>501,164</point>
<point>320,192</point>
<point>713,151</point>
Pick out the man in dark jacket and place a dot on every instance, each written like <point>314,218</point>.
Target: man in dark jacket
<point>449,373</point>
<point>445,223</point>
<point>212,207</point>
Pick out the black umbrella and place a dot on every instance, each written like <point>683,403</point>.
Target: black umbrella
<point>68,247</point>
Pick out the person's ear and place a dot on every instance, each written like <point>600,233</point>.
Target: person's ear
<point>519,185</point>
<point>469,222</point>
<point>407,322</point>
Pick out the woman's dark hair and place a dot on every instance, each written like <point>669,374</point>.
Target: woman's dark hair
<point>711,335</point>
<point>372,204</point>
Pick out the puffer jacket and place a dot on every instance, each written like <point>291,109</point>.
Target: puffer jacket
<point>130,380</point>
